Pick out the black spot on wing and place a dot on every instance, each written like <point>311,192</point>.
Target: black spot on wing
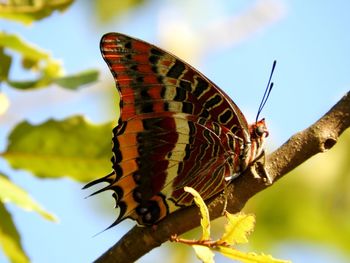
<point>187,153</point>
<point>176,70</point>
<point>127,45</point>
<point>185,85</point>
<point>213,101</point>
<point>144,94</point>
<point>225,116</point>
<point>180,94</point>
<point>204,114</point>
<point>157,52</point>
<point>201,86</point>
<point>187,107</point>
<point>146,107</point>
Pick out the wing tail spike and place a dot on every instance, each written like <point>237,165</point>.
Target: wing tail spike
<point>108,187</point>
<point>109,178</point>
<point>116,222</point>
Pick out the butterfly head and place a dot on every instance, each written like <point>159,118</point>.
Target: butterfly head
<point>258,132</point>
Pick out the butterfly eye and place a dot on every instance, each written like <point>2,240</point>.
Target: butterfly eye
<point>259,131</point>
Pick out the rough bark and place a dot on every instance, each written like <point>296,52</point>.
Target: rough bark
<point>319,137</point>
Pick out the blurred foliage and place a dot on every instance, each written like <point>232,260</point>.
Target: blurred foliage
<point>72,147</point>
<point>11,193</point>
<point>10,240</point>
<point>34,59</point>
<point>76,80</point>
<point>107,10</point>
<point>35,147</point>
<point>28,11</point>
<point>311,204</point>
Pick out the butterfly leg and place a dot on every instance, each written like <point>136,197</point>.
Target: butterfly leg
<point>225,201</point>
<point>259,165</point>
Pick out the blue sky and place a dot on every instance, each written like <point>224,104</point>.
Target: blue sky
<point>310,41</point>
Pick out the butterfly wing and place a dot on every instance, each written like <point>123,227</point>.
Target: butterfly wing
<point>176,129</point>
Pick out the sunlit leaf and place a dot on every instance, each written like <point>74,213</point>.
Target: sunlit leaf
<point>72,147</point>
<point>238,227</point>
<point>77,80</point>
<point>204,253</point>
<point>10,240</point>
<point>247,257</point>
<point>69,82</point>
<point>18,44</point>
<point>9,192</point>
<point>51,70</point>
<point>47,69</point>
<point>236,231</point>
<point>34,58</point>
<point>26,12</point>
<point>205,220</point>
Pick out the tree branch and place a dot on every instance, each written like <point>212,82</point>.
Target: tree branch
<point>319,137</point>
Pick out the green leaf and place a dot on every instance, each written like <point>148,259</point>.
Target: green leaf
<point>4,65</point>
<point>48,70</point>
<point>72,147</point>
<point>51,70</point>
<point>205,220</point>
<point>69,82</point>
<point>26,12</point>
<point>10,240</point>
<point>247,257</point>
<point>76,80</point>
<point>204,253</point>
<point>238,227</point>
<point>10,192</point>
<point>27,50</point>
<point>33,58</point>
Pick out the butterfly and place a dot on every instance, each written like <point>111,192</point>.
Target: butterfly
<point>176,128</point>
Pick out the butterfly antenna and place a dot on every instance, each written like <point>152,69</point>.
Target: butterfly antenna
<point>267,92</point>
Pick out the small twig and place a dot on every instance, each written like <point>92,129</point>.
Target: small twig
<point>207,243</point>
<point>318,138</point>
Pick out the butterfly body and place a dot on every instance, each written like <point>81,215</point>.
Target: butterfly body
<point>176,129</point>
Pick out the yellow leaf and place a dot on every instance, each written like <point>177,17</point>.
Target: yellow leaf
<point>205,220</point>
<point>204,253</point>
<point>9,192</point>
<point>238,228</point>
<point>10,240</point>
<point>247,257</point>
